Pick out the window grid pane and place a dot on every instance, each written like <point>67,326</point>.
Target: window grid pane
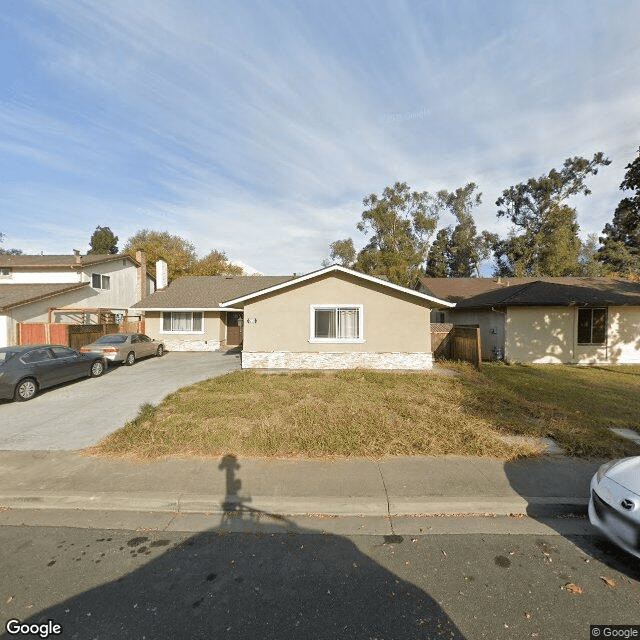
<point>325,323</point>
<point>180,321</point>
<point>599,326</point>
<point>348,323</point>
<point>584,326</point>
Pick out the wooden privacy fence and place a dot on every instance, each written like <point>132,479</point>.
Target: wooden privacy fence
<point>81,334</point>
<point>440,340</point>
<point>71,335</point>
<point>462,342</point>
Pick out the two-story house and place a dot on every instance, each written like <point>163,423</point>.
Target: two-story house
<point>68,288</point>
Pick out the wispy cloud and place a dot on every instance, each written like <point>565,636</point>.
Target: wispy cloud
<point>257,128</point>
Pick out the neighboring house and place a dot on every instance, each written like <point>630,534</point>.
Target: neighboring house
<point>546,320</point>
<point>71,289</point>
<point>187,314</point>
<point>334,318</point>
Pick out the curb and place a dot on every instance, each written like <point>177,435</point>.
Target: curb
<point>294,506</point>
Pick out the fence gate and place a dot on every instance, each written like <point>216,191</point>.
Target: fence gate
<point>465,344</point>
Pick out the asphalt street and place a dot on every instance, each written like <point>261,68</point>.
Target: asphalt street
<point>78,414</point>
<point>299,580</point>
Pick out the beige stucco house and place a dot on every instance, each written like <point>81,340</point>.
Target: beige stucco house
<point>67,288</point>
<point>333,318</point>
<point>546,320</point>
<point>336,318</point>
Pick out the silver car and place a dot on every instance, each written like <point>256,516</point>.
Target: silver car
<point>124,347</point>
<point>614,507</point>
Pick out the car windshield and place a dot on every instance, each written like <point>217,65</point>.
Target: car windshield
<point>112,339</point>
<point>5,355</point>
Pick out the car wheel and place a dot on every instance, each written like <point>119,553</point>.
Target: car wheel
<point>130,359</point>
<point>97,369</point>
<point>160,351</point>
<point>26,389</point>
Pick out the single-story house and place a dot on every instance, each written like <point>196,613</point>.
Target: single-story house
<point>546,320</point>
<point>67,288</point>
<point>333,318</point>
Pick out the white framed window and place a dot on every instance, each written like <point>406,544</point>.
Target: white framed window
<point>336,323</point>
<point>592,326</point>
<point>98,281</point>
<point>182,322</point>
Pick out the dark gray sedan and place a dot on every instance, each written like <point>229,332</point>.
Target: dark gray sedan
<point>124,347</point>
<point>27,369</point>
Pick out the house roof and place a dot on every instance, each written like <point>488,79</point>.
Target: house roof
<point>60,261</point>
<point>477,293</point>
<point>337,269</point>
<point>206,292</point>
<point>16,295</point>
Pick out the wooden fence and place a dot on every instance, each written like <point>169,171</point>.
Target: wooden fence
<point>441,340</point>
<point>81,334</point>
<point>461,342</point>
<point>71,335</point>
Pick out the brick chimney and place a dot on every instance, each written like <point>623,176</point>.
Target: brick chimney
<point>143,290</point>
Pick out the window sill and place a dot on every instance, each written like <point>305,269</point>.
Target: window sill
<point>182,333</point>
<point>336,341</point>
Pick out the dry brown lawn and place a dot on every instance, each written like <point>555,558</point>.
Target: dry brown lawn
<point>367,414</point>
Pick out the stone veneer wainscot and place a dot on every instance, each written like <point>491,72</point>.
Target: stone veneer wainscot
<point>333,360</point>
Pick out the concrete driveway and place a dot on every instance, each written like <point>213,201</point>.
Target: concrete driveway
<point>78,414</point>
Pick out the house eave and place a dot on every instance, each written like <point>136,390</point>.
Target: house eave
<point>338,269</point>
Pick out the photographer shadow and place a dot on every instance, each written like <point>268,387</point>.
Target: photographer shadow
<point>256,575</point>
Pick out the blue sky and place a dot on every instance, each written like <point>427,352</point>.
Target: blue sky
<point>257,127</point>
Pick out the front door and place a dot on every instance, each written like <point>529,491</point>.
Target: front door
<point>234,328</point>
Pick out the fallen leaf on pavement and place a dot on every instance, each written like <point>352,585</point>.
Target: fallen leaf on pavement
<point>609,582</point>
<point>572,588</point>
<point>10,599</point>
<point>527,615</point>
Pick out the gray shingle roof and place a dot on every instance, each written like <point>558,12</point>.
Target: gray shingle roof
<point>475,293</point>
<point>58,261</point>
<point>207,292</point>
<point>14,295</point>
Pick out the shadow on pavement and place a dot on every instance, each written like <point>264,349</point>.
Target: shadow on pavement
<point>539,480</point>
<point>279,581</point>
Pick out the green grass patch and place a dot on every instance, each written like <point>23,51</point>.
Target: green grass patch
<point>372,414</point>
<point>576,406</point>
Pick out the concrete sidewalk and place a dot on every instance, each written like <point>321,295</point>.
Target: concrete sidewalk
<point>451,485</point>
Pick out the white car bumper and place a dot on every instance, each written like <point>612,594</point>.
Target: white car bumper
<point>607,513</point>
